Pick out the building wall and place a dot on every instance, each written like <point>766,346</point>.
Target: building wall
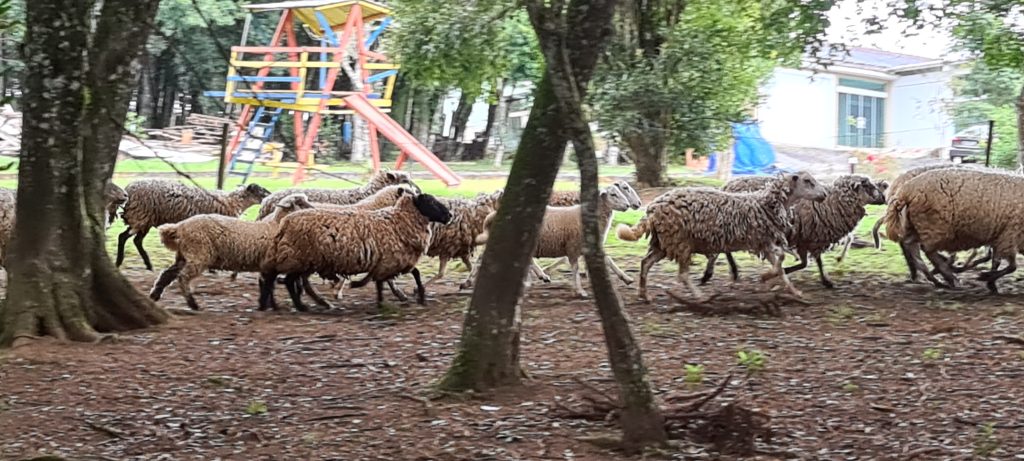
<point>799,108</point>
<point>918,107</point>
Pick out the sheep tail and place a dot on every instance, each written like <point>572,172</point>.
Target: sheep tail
<point>633,233</point>
<point>895,220</point>
<point>169,236</point>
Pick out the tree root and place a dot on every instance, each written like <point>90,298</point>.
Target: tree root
<point>729,428</point>
<point>763,304</point>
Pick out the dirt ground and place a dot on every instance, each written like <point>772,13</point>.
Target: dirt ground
<point>875,369</point>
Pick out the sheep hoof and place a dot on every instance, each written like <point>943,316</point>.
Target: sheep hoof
<point>828,284</point>
<point>546,279</point>
<point>466,285</point>
<point>582,294</point>
<point>992,288</point>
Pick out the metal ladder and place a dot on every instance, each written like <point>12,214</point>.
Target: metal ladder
<point>260,131</point>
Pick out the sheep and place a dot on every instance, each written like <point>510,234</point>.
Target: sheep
<point>382,243</point>
<point>709,221</point>
<point>817,227</point>
<point>570,198</point>
<point>457,238</point>
<point>115,197</point>
<point>909,253</point>
<point>956,210</point>
<point>377,182</point>
<point>152,202</point>
<point>213,241</point>
<point>561,233</point>
<point>883,187</point>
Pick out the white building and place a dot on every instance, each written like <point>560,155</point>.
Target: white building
<point>871,98</point>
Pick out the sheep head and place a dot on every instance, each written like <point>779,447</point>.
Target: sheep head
<point>616,199</point>
<point>634,198</point>
<point>803,186</point>
<point>430,207</point>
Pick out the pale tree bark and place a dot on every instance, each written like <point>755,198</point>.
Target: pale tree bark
<point>488,355</point>
<point>640,419</point>
<point>360,128</point>
<point>499,126</point>
<point>61,280</point>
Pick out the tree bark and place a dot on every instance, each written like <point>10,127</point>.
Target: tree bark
<point>488,354</point>
<point>498,126</point>
<point>144,103</point>
<point>650,155</point>
<point>459,120</point>
<point>61,280</point>
<point>424,102</point>
<point>640,419</point>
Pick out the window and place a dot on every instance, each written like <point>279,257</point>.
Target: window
<point>861,120</point>
<point>862,84</point>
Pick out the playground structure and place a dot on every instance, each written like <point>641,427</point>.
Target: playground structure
<point>308,89</point>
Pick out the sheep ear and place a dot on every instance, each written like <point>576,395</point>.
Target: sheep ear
<point>390,175</point>
<point>402,191</point>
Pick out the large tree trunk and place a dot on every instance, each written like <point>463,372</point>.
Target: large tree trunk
<point>61,281</point>
<point>488,354</point>
<point>459,120</point>
<point>497,126</point>
<point>145,103</point>
<point>641,420</point>
<point>424,102</point>
<point>650,155</point>
<point>1020,128</point>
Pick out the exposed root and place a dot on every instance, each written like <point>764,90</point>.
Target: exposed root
<point>729,428</point>
<point>756,304</point>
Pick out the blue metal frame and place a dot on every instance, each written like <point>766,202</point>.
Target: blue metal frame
<point>379,30</point>
<point>326,26</point>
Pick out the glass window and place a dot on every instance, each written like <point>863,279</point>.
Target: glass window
<point>862,84</point>
<point>861,120</point>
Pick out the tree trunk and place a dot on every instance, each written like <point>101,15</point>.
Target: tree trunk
<point>61,280</point>
<point>650,155</point>
<point>424,103</point>
<point>641,420</point>
<point>498,126</point>
<point>488,354</point>
<point>459,120</point>
<point>144,101</point>
<point>170,96</point>
<point>1020,127</point>
<point>725,159</point>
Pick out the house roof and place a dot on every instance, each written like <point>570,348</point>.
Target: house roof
<point>872,59</point>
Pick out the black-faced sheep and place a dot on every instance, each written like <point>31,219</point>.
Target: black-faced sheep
<point>383,243</point>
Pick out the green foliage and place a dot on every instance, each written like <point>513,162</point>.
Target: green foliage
<point>694,374</point>
<point>753,360</point>
<point>464,45</point>
<point>685,73</point>
<point>256,408</point>
<point>931,354</point>
<point>851,388</point>
<point>986,443</point>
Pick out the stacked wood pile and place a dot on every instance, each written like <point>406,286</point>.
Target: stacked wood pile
<point>198,128</point>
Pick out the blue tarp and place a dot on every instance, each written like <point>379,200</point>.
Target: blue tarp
<point>753,154</point>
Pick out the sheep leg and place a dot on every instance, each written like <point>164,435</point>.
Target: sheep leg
<point>293,282</point>
<point>536,269</point>
<point>653,256</point>
<point>775,257</point>
<point>557,263</point>
<point>846,248</point>
<point>684,274</point>
<point>395,291</point>
<point>909,254</point>
<point>468,283</point>
<point>825,280</point>
<point>421,293</point>
<point>380,293</point>
<point>313,293</point>
<point>990,277</point>
<point>470,269</point>
<point>574,264</point>
<point>166,277</point>
<point>801,265</point>
<point>440,270</point>
<point>622,275</point>
<point>142,251</point>
<point>360,283</point>
<point>733,268</point>
<point>973,262</point>
<point>189,272</point>
<point>709,269</point>
<point>234,276</point>
<point>266,283</point>
<point>122,239</point>
<point>941,265</point>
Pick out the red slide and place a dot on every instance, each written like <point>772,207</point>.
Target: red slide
<point>401,138</point>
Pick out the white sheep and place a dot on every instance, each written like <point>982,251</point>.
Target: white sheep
<point>709,221</point>
<point>561,233</point>
<point>377,182</point>
<point>212,241</point>
<point>152,202</point>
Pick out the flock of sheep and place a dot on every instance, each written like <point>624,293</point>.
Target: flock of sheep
<point>384,228</point>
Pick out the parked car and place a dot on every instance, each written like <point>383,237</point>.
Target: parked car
<point>968,145</point>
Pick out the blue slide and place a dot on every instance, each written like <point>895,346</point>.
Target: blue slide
<point>753,154</point>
